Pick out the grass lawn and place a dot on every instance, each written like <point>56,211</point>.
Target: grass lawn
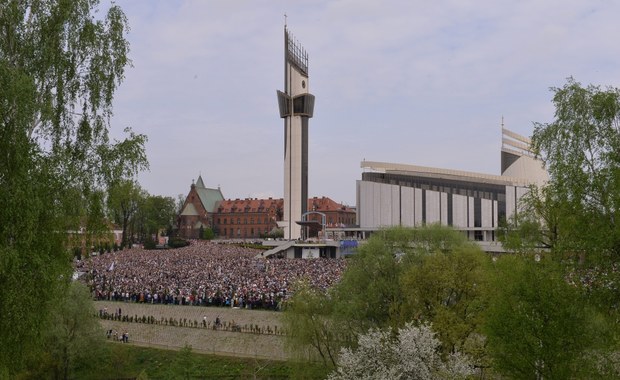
<point>126,361</point>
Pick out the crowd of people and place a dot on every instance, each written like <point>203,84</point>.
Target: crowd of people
<point>203,273</point>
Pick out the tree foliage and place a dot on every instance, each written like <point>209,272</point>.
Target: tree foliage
<point>426,275</point>
<point>581,150</point>
<point>59,68</point>
<point>449,290</point>
<point>538,325</point>
<point>412,353</point>
<point>124,199</point>
<point>310,324</point>
<point>73,336</point>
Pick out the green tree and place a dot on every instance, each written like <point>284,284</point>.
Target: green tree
<point>207,233</point>
<point>309,323</point>
<point>73,338</point>
<point>449,291</point>
<point>59,68</point>
<point>538,326</point>
<point>581,150</point>
<point>430,274</point>
<point>578,210</point>
<point>371,291</point>
<point>154,213</point>
<point>124,198</point>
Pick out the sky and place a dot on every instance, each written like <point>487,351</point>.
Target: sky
<point>412,82</point>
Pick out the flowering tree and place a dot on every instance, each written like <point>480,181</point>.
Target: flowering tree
<point>412,353</point>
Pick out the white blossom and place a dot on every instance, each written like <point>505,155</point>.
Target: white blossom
<point>412,354</point>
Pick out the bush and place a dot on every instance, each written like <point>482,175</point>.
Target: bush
<point>206,233</point>
<point>177,242</point>
<point>149,243</point>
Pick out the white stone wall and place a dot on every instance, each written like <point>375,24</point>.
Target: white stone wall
<point>381,205</point>
<point>459,211</point>
<point>486,213</point>
<point>432,207</point>
<point>418,207</point>
<point>528,168</point>
<point>407,204</point>
<point>470,206</point>
<point>510,202</point>
<point>443,208</point>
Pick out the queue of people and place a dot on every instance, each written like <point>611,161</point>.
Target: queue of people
<point>205,274</point>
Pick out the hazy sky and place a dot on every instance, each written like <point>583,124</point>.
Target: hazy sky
<point>415,82</point>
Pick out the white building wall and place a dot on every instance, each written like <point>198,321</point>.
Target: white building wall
<point>366,210</point>
<point>486,211</point>
<point>407,203</point>
<point>376,205</point>
<point>432,207</point>
<point>444,208</point>
<point>510,202</point>
<point>417,202</point>
<point>529,168</point>
<point>495,214</point>
<point>396,206</point>
<point>293,191</point>
<point>521,192</point>
<point>386,205</point>
<point>470,209</point>
<point>459,210</point>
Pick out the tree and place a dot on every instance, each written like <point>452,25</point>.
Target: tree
<point>449,291</point>
<point>124,198</point>
<point>578,210</point>
<point>412,353</point>
<point>73,337</point>
<point>59,68</point>
<point>309,323</point>
<point>154,213</point>
<point>431,274</point>
<point>537,325</point>
<point>581,150</point>
<point>371,291</point>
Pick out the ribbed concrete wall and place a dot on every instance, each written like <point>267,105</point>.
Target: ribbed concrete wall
<point>407,204</point>
<point>459,211</point>
<point>382,205</point>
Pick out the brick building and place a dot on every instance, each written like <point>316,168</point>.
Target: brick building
<point>336,214</point>
<point>198,209</point>
<point>246,218</point>
<point>255,218</point>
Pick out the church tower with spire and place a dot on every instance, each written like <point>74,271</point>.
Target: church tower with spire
<point>296,106</point>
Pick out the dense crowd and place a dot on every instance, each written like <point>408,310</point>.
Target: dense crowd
<point>204,273</point>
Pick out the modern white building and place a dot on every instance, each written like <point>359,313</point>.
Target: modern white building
<point>296,108</point>
<point>408,195</point>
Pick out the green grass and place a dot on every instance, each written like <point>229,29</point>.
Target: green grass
<point>126,361</point>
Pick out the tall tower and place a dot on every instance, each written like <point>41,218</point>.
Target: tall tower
<point>296,108</point>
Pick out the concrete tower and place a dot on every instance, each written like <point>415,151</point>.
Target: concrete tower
<point>296,107</point>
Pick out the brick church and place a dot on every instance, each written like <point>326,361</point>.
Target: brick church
<point>247,218</point>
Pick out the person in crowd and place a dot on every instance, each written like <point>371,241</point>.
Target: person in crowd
<point>204,274</point>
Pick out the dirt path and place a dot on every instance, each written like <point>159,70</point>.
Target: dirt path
<point>204,340</point>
